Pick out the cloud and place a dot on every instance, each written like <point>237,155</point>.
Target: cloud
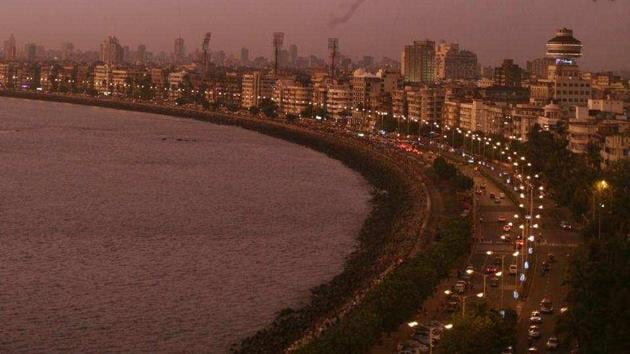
<point>338,20</point>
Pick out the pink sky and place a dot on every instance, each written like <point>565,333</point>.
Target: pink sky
<point>495,29</point>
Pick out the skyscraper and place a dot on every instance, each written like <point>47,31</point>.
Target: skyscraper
<point>333,49</point>
<point>454,64</point>
<point>244,56</point>
<point>67,50</point>
<point>418,62</point>
<point>205,52</point>
<point>111,51</point>
<point>10,49</point>
<point>141,54</point>
<point>30,52</point>
<point>508,74</point>
<point>293,54</point>
<point>180,51</point>
<point>278,40</point>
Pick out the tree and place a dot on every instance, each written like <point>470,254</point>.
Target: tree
<point>481,331</point>
<point>593,156</point>
<point>292,118</point>
<point>308,112</point>
<point>268,107</point>
<point>253,110</point>
<point>444,169</point>
<point>598,316</point>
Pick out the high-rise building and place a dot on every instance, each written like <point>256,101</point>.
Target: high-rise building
<point>508,74</point>
<point>141,54</point>
<point>291,97</point>
<point>455,64</point>
<point>293,54</point>
<point>256,87</point>
<point>569,88</point>
<point>179,52</point>
<point>67,51</point>
<point>111,51</point>
<point>30,52</point>
<point>278,40</point>
<point>424,103</point>
<point>539,67</point>
<point>10,49</point>
<point>338,100</point>
<point>418,62</point>
<point>205,53</point>
<point>244,56</point>
<point>333,49</point>
<point>564,48</point>
<point>218,58</point>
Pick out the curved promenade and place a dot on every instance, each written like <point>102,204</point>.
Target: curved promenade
<point>395,229</point>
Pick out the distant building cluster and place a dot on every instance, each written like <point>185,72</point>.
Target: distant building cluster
<point>433,82</point>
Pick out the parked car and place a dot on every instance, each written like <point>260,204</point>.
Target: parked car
<point>546,306</point>
<point>533,332</point>
<point>552,343</point>
<point>507,228</point>
<point>502,218</point>
<point>513,269</point>
<point>535,318</point>
<point>502,195</point>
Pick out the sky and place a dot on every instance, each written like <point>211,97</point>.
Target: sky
<point>494,29</point>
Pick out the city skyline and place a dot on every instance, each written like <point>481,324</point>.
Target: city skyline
<point>238,24</point>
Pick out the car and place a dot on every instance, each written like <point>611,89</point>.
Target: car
<point>494,281</point>
<point>490,269</point>
<point>565,225</point>
<point>502,218</point>
<point>452,305</point>
<point>508,350</point>
<point>513,269</point>
<point>497,201</point>
<point>492,196</point>
<point>552,343</point>
<point>507,228</point>
<point>506,237</point>
<point>546,306</point>
<point>502,195</point>
<point>532,349</point>
<point>535,318</point>
<point>412,347</point>
<point>460,287</point>
<point>533,332</point>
